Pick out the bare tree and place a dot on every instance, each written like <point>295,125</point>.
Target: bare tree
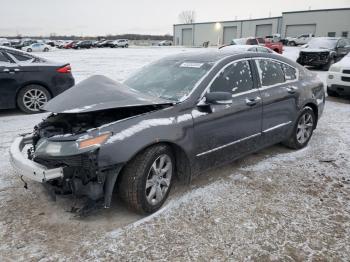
<point>187,17</point>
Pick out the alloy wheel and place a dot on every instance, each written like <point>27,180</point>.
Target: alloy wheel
<point>159,179</point>
<point>34,99</point>
<point>305,127</point>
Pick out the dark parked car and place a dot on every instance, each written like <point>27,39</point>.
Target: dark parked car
<point>82,44</point>
<point>324,51</point>
<point>175,118</point>
<point>28,82</point>
<point>23,43</point>
<point>106,43</point>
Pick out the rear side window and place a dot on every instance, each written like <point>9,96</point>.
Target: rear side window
<point>270,72</point>
<point>236,78</point>
<point>4,59</point>
<point>289,72</point>
<point>21,57</point>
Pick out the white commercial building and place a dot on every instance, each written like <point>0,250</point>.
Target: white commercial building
<point>325,22</point>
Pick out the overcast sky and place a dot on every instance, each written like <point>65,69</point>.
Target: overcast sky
<point>100,17</point>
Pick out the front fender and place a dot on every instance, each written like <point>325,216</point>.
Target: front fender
<point>131,136</point>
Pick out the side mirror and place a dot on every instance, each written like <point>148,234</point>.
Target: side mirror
<point>218,98</point>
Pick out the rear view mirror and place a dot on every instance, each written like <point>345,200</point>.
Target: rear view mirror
<point>218,98</point>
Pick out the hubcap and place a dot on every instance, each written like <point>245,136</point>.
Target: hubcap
<point>34,99</point>
<point>305,126</point>
<point>158,179</point>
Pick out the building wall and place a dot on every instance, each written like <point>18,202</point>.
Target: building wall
<point>249,27</point>
<point>337,20</point>
<point>325,20</point>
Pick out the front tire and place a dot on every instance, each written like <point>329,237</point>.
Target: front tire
<point>46,49</point>
<point>146,180</point>
<point>292,43</point>
<point>32,98</point>
<point>302,130</point>
<point>29,50</point>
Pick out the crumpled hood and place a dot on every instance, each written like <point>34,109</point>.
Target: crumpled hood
<point>99,93</point>
<point>315,50</point>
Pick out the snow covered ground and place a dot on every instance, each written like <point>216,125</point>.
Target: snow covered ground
<point>275,205</point>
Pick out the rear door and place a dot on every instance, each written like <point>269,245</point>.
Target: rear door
<point>279,94</point>
<point>8,81</point>
<point>225,132</point>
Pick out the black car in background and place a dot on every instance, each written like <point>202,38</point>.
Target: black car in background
<point>175,118</point>
<point>322,52</point>
<point>23,43</point>
<point>83,44</point>
<point>106,43</point>
<point>28,82</point>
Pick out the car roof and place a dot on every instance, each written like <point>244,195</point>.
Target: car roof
<point>238,47</point>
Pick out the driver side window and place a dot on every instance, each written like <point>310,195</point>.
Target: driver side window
<point>235,78</point>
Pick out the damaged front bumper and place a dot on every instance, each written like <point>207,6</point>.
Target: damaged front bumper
<point>82,177</point>
<point>28,168</point>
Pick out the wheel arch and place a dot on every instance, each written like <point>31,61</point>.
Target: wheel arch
<point>39,83</point>
<point>314,108</point>
<point>182,161</point>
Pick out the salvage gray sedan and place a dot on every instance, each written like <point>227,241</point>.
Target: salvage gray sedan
<point>174,118</point>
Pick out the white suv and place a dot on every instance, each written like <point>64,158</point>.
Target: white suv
<point>120,43</point>
<point>300,40</point>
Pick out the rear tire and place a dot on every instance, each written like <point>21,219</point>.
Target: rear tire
<point>292,43</point>
<point>32,98</point>
<point>302,130</point>
<point>142,187</point>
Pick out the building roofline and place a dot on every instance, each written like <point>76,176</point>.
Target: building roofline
<point>231,21</point>
<point>316,10</point>
<point>267,18</point>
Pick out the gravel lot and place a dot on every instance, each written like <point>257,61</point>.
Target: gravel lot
<point>276,205</point>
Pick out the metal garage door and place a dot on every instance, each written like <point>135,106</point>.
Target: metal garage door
<point>296,30</point>
<point>230,32</point>
<point>263,30</point>
<point>187,37</point>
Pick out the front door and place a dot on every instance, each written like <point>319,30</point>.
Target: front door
<point>279,92</point>
<point>225,132</point>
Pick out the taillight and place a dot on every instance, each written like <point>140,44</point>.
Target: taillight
<point>64,70</point>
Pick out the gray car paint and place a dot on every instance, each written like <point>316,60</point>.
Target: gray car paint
<point>194,129</point>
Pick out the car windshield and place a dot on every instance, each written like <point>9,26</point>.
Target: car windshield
<point>168,79</point>
<point>322,43</point>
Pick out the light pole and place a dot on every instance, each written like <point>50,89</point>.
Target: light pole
<point>218,29</point>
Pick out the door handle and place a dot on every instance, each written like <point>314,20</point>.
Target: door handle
<point>252,101</point>
<point>291,89</point>
<point>6,70</point>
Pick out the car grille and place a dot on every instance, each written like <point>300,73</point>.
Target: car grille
<point>345,79</point>
<point>346,71</point>
<point>314,57</point>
